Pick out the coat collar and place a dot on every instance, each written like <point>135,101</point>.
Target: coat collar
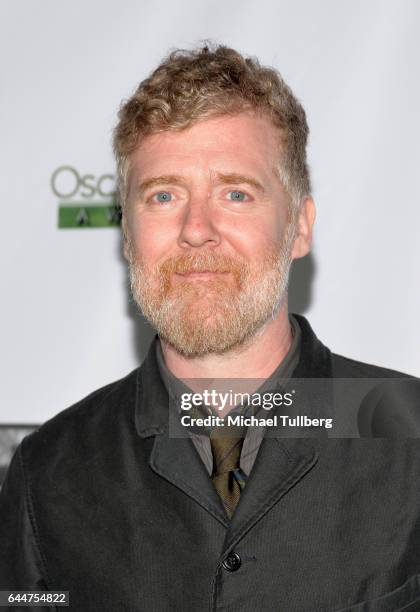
<point>152,400</point>
<point>315,358</point>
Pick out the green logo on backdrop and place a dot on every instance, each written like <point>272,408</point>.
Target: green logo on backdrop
<point>86,201</point>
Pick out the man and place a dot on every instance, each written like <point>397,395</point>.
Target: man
<point>114,499</point>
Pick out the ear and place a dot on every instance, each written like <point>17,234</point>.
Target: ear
<point>304,224</point>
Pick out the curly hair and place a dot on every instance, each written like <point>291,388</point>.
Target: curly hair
<point>189,86</point>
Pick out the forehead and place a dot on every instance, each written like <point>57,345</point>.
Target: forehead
<point>219,143</point>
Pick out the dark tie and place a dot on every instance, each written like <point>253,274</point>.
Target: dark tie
<point>226,444</point>
<point>228,478</point>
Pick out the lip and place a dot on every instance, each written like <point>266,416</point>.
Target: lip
<point>205,274</point>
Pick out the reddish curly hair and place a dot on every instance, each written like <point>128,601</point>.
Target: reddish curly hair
<point>189,86</point>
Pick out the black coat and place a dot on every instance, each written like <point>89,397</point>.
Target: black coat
<point>102,502</point>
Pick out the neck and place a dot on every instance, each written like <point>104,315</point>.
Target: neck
<point>257,358</point>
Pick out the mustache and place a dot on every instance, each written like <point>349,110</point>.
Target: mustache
<point>202,262</point>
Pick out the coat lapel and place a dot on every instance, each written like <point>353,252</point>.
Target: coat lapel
<point>176,460</point>
<point>283,462</point>
<point>173,456</point>
<point>279,466</point>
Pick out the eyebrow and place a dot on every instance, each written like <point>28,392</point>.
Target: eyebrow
<point>164,179</point>
<point>232,178</point>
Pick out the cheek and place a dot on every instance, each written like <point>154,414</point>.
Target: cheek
<point>254,238</point>
<point>151,240</point>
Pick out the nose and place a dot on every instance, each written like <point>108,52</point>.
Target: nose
<point>198,226</point>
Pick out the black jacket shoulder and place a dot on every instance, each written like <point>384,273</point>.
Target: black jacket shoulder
<point>85,425</point>
<point>344,367</point>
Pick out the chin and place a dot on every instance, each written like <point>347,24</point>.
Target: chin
<point>196,332</point>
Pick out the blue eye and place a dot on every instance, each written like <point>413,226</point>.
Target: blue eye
<point>163,196</point>
<point>237,196</point>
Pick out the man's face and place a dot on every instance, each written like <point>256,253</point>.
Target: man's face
<point>208,234</point>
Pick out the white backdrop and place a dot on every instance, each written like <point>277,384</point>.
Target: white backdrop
<point>67,325</point>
